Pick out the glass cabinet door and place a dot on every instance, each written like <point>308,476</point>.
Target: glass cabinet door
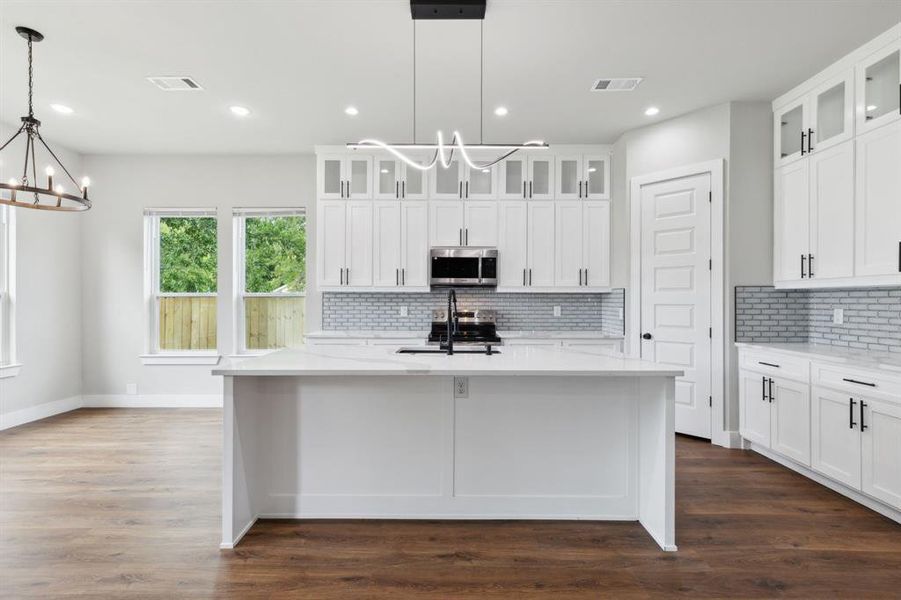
<point>447,183</point>
<point>513,178</point>
<point>331,177</point>
<point>541,178</point>
<point>831,113</point>
<point>790,133</point>
<point>878,80</point>
<point>569,172</point>
<point>387,178</point>
<point>414,184</point>
<point>479,183</point>
<point>597,175</point>
<point>358,170</point>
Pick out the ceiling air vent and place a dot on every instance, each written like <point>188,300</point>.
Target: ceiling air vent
<point>175,84</point>
<point>616,84</point>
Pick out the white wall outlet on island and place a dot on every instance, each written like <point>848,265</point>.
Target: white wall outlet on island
<point>556,311</point>
<point>403,311</point>
<point>131,389</point>
<point>838,316</point>
<point>461,387</point>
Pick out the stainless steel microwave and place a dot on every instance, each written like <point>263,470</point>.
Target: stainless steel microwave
<point>463,266</point>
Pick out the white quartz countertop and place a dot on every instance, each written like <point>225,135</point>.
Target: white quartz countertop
<point>826,352</point>
<point>391,335</point>
<point>376,360</point>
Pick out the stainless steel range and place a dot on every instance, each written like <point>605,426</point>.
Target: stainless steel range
<point>471,327</point>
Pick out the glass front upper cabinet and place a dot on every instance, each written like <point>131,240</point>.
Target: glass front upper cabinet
<point>447,183</point>
<point>597,176</point>
<point>541,177</point>
<point>832,116</point>
<point>513,176</point>
<point>791,132</point>
<point>878,82</point>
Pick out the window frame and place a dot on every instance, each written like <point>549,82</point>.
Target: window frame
<point>239,272</point>
<point>153,354</point>
<point>9,365</point>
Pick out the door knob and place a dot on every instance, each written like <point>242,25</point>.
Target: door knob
<point>646,336</point>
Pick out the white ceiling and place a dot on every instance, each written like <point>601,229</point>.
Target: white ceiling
<point>297,65</point>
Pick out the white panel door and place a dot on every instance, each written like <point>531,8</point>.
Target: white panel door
<point>568,242</point>
<point>881,449</point>
<point>331,242</point>
<point>541,244</point>
<point>480,223</point>
<point>414,224</point>
<point>446,222</point>
<point>541,178</point>
<point>835,436</point>
<point>675,291</point>
<point>878,202</point>
<point>512,243</point>
<point>596,243</point>
<point>754,423</point>
<point>386,242</point>
<point>513,177</point>
<point>792,221</point>
<point>790,420</point>
<point>358,253</point>
<point>832,213</point>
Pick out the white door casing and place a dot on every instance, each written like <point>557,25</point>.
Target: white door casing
<point>675,291</point>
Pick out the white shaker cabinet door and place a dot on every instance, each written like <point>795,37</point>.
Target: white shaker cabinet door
<point>832,213</point>
<point>792,235</point>
<point>568,243</point>
<point>480,223</point>
<point>541,244</point>
<point>596,239</point>
<point>790,420</point>
<point>414,223</point>
<point>331,242</point>
<point>446,223</point>
<point>386,231</point>
<point>878,202</point>
<point>835,436</point>
<point>512,243</point>
<point>358,270</point>
<point>755,408</point>
<point>881,449</point>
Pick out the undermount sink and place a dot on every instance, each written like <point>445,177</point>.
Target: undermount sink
<point>487,350</point>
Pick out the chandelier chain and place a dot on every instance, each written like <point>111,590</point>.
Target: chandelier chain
<point>30,81</point>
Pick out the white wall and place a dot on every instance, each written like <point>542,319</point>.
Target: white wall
<point>113,254</point>
<point>48,290</point>
<point>740,134</point>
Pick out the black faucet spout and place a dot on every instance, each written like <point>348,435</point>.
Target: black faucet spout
<point>451,319</point>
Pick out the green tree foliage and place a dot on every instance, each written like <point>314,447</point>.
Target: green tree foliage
<point>188,254</point>
<point>276,250</point>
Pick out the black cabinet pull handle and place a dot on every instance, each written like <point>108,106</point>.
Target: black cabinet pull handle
<point>396,276</point>
<point>403,189</point>
<point>467,189</point>
<point>863,427</point>
<point>396,189</point>
<point>342,276</point>
<point>524,192</point>
<point>530,189</point>
<point>768,364</point>
<point>530,276</point>
<point>851,405</point>
<point>771,390</point>
<point>347,276</point>
<point>467,236</point>
<point>460,231</point>
<point>803,137</point>
<point>810,265</point>
<point>899,257</point>
<point>809,141</point>
<point>586,275</point>
<point>763,391</point>
<point>803,270</point>
<point>523,277</point>
<point>460,192</point>
<point>859,382</point>
<point>580,276</point>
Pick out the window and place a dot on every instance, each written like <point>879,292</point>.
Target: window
<point>181,279</point>
<point>8,365</point>
<point>270,278</point>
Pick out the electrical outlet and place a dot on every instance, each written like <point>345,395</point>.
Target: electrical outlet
<point>838,316</point>
<point>403,311</point>
<point>131,389</point>
<point>461,387</point>
<point>556,311</point>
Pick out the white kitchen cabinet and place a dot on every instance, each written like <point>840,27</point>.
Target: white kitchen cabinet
<point>525,177</point>
<point>792,207</point>
<point>582,244</point>
<point>878,81</point>
<point>446,223</point>
<point>343,176</point>
<point>447,183</point>
<point>541,243</point>
<point>790,419</point>
<point>396,180</point>
<point>584,177</point>
<point>386,243</point>
<point>479,223</point>
<point>878,202</point>
<point>541,177</point>
<point>345,243</point>
<point>414,244</point>
<point>880,424</point>
<point>835,436</point>
<point>831,113</point>
<point>512,243</point>
<point>790,131</point>
<point>754,418</point>
<point>831,248</point>
<point>479,184</point>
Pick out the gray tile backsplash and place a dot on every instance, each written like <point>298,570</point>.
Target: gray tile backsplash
<point>381,310</point>
<point>872,317</point>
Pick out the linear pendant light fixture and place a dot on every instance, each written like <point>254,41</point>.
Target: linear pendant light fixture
<point>444,152</point>
<point>53,197</point>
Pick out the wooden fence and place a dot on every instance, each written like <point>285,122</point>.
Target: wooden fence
<point>273,322</point>
<point>188,323</point>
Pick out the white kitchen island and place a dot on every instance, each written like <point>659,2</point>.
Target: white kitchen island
<point>363,432</point>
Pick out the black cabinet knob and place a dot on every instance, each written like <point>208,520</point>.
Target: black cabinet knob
<point>646,336</point>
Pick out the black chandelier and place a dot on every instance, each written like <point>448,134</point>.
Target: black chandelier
<point>25,192</point>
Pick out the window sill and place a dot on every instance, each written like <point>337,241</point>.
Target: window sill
<point>10,370</point>
<point>180,358</point>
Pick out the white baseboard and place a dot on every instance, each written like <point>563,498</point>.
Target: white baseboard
<point>41,411</point>
<point>153,400</point>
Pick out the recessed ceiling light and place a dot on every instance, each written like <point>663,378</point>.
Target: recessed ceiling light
<point>871,107</point>
<point>62,109</point>
<point>501,111</point>
<point>651,111</point>
<point>384,171</point>
<point>352,111</point>
<point>239,111</point>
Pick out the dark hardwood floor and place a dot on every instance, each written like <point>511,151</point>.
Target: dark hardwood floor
<point>116,503</point>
